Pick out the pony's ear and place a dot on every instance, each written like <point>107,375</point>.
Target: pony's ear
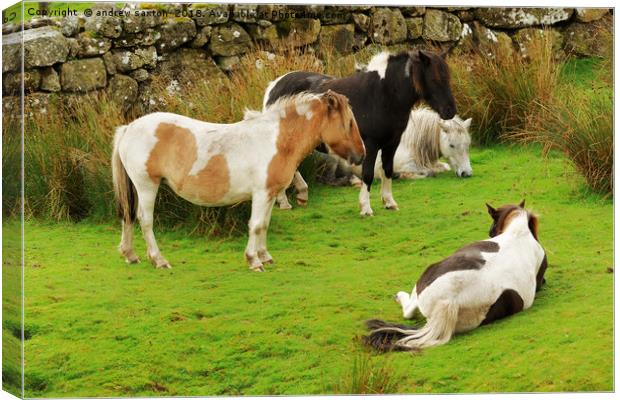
<point>445,53</point>
<point>492,211</point>
<point>332,101</point>
<point>467,123</point>
<point>444,125</point>
<point>522,204</point>
<point>424,57</point>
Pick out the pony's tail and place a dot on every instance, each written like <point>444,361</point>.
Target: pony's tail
<point>385,336</point>
<point>124,189</point>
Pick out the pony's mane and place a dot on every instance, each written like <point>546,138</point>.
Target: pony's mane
<point>532,223</point>
<point>293,100</point>
<point>377,60</point>
<point>281,104</point>
<point>422,137</point>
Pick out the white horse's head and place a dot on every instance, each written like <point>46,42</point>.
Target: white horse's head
<point>454,141</point>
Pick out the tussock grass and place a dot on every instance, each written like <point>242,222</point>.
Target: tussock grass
<point>501,90</point>
<point>581,127</point>
<point>367,375</point>
<point>535,98</point>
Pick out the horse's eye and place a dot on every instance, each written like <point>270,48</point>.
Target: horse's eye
<point>452,145</point>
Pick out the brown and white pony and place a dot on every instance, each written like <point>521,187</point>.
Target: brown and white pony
<point>478,284</point>
<point>222,164</point>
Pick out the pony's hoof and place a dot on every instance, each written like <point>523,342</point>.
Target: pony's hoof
<point>367,213</point>
<point>400,296</point>
<point>285,206</point>
<point>265,257</point>
<point>133,259</point>
<point>259,268</point>
<point>164,265</point>
<point>390,204</point>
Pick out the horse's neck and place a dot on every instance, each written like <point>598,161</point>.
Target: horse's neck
<point>398,85</point>
<point>518,227</point>
<point>298,137</point>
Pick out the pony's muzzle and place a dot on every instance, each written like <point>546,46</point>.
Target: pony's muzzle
<point>464,174</point>
<point>355,159</point>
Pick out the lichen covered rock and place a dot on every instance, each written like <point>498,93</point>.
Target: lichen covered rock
<point>511,18</point>
<point>340,37</point>
<point>415,27</point>
<point>229,40</point>
<point>124,90</point>
<point>42,47</point>
<point>301,31</point>
<point>441,26</point>
<point>589,40</point>
<point>104,25</point>
<point>186,65</point>
<point>90,46</point>
<point>83,75</point>
<point>174,33</point>
<point>590,14</point>
<point>524,38</point>
<point>387,26</point>
<point>50,81</point>
<point>12,82</point>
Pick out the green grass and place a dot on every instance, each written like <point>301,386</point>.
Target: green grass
<point>98,327</point>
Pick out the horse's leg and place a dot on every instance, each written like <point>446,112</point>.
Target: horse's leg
<point>147,192</point>
<point>441,166</point>
<point>282,200</point>
<point>263,254</point>
<point>126,245</point>
<point>408,303</point>
<point>368,174</point>
<point>261,207</point>
<point>387,161</point>
<point>302,189</point>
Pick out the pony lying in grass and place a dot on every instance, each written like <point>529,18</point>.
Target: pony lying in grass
<point>480,283</point>
<point>222,164</point>
<point>426,139</point>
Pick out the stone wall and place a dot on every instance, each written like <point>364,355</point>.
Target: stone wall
<point>122,49</point>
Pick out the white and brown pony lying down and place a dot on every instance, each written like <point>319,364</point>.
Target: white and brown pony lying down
<point>426,139</point>
<point>478,284</point>
<point>221,164</point>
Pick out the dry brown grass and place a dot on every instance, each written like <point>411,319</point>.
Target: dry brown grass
<point>500,91</point>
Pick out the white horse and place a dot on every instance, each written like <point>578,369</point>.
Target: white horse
<point>480,283</point>
<point>426,139</point>
<point>222,164</point>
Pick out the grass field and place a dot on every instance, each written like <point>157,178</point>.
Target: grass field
<point>98,327</point>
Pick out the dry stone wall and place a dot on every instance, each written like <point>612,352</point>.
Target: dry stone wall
<point>122,49</point>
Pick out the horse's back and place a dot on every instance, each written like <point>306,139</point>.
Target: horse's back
<point>293,83</point>
<point>478,273</point>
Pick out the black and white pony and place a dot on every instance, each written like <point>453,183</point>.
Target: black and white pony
<point>381,97</point>
<point>478,284</point>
